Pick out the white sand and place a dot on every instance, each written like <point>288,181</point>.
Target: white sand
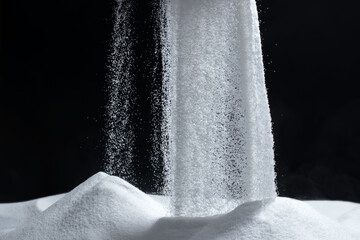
<point>106,207</point>
<point>217,113</point>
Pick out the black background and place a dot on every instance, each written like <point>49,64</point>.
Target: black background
<point>53,94</point>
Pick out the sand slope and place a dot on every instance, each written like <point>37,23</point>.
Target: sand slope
<point>106,207</point>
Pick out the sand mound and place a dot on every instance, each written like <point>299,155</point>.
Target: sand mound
<point>280,219</point>
<point>108,208</point>
<point>103,207</point>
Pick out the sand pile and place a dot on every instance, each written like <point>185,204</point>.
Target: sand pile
<point>106,207</point>
<point>282,219</point>
<point>102,208</point>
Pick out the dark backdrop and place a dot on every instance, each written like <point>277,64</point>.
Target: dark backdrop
<point>52,94</point>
